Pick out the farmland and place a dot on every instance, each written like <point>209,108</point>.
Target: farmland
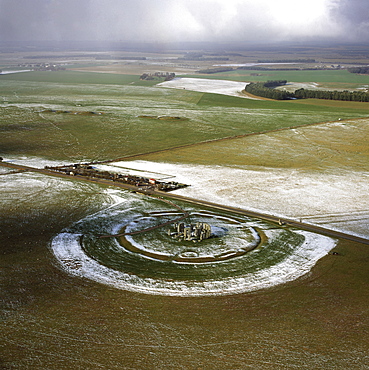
<point>121,129</point>
<point>297,159</point>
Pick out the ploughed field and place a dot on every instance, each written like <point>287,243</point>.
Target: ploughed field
<point>297,299</point>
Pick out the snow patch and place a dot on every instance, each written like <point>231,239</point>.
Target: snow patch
<point>67,249</point>
<point>291,193</point>
<point>232,88</point>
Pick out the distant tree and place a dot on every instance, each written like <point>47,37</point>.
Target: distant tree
<point>360,70</point>
<point>267,90</point>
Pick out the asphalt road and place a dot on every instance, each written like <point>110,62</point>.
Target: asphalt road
<point>263,216</point>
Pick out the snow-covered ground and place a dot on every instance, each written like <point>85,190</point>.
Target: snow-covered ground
<point>10,72</point>
<point>333,199</point>
<point>337,200</point>
<point>67,249</point>
<point>260,269</point>
<point>232,88</point>
<point>32,161</point>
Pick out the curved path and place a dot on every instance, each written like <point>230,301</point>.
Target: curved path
<point>156,193</point>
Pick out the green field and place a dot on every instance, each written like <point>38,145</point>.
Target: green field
<point>121,130</point>
<point>53,319</point>
<point>319,76</point>
<point>334,79</point>
<point>72,77</point>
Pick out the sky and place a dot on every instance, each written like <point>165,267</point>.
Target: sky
<point>247,21</point>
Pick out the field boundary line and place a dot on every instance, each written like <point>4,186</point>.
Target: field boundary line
<point>225,139</point>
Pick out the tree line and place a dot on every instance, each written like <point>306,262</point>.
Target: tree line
<point>158,75</point>
<point>215,70</point>
<point>267,90</point>
<point>361,96</point>
<point>360,70</point>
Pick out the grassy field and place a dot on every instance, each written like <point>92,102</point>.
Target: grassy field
<point>333,79</point>
<point>319,76</point>
<point>54,320</point>
<point>323,77</point>
<point>74,77</point>
<point>121,130</point>
<point>316,147</point>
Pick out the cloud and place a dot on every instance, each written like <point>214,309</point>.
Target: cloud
<point>183,20</point>
<point>44,19</point>
<point>353,17</point>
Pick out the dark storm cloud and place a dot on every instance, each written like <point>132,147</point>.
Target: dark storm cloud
<point>353,17</point>
<point>43,19</point>
<point>183,20</point>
